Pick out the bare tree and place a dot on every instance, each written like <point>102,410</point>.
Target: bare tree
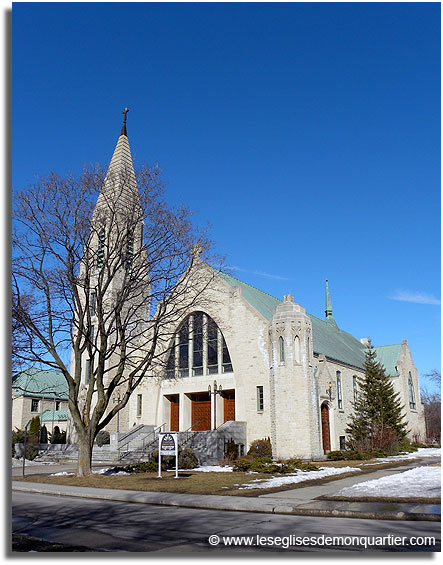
<point>432,408</point>
<point>112,269</point>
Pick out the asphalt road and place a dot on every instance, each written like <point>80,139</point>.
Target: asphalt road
<point>117,526</point>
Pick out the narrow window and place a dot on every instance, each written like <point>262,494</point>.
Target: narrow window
<point>91,335</point>
<point>88,371</point>
<point>260,400</point>
<point>139,405</point>
<point>308,350</point>
<point>57,405</point>
<point>342,440</point>
<point>101,248</point>
<point>227,365</point>
<point>281,342</point>
<point>170,366</point>
<point>129,252</point>
<point>339,393</point>
<point>93,303</point>
<point>355,387</point>
<point>212,345</point>
<point>411,392</point>
<point>198,344</point>
<point>183,357</point>
<point>34,405</point>
<point>297,349</point>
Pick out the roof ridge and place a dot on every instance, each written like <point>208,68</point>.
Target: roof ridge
<point>247,284</point>
<point>389,345</point>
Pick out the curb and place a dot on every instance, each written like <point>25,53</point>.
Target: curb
<point>235,504</point>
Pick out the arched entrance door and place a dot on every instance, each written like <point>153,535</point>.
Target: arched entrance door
<point>325,431</point>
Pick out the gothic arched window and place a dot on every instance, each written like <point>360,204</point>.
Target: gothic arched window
<point>411,392</point>
<point>281,347</point>
<point>199,348</point>
<point>297,349</point>
<point>339,392</point>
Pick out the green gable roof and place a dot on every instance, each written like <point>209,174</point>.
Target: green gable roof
<point>41,384</point>
<point>56,415</point>
<point>388,355</point>
<point>328,339</point>
<point>261,301</point>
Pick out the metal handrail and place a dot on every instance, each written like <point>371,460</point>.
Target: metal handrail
<point>154,431</point>
<point>222,424</point>
<point>131,432</point>
<point>187,431</point>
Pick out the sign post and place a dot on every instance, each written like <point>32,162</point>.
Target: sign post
<point>167,445</point>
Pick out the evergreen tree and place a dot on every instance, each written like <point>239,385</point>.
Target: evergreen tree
<point>378,419</point>
<point>34,430</point>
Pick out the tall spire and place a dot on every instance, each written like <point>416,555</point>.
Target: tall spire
<point>328,311</point>
<point>120,186</point>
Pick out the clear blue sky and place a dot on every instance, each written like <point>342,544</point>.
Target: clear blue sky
<point>308,135</point>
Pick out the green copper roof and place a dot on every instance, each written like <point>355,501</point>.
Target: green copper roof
<point>388,356</point>
<point>41,384</point>
<point>328,339</point>
<point>261,301</point>
<point>59,416</point>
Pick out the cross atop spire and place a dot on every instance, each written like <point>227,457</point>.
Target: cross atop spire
<point>123,131</point>
<point>328,311</point>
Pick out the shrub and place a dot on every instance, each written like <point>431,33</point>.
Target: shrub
<point>187,459</point>
<point>58,436</point>
<point>17,437</point>
<point>168,461</point>
<point>142,467</point>
<point>102,438</point>
<point>348,455</point>
<point>242,464</point>
<point>299,465</point>
<point>31,451</point>
<point>231,450</point>
<point>260,448</point>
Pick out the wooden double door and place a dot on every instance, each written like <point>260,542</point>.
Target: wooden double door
<point>201,411</point>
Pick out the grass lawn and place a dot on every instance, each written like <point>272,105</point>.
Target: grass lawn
<point>195,482</point>
<point>188,482</point>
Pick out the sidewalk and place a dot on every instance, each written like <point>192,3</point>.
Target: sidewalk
<point>300,501</point>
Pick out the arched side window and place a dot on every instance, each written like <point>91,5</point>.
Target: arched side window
<point>339,391</point>
<point>411,392</point>
<point>355,387</point>
<point>297,349</point>
<point>199,348</point>
<point>281,347</point>
<point>308,349</point>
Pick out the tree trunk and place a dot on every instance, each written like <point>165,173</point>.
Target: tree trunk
<point>84,457</point>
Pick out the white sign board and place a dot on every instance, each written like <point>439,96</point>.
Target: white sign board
<point>167,445</point>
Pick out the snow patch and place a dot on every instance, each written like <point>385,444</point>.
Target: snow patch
<point>298,477</point>
<point>211,469</point>
<point>424,482</point>
<point>419,454</point>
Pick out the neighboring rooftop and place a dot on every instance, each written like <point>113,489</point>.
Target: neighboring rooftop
<point>41,384</point>
<point>328,338</point>
<point>54,415</point>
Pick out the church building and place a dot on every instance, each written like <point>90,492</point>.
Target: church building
<point>245,360</point>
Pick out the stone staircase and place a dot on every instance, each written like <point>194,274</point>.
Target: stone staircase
<point>138,444</point>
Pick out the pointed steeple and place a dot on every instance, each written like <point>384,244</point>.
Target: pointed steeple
<point>328,311</point>
<point>120,188</point>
